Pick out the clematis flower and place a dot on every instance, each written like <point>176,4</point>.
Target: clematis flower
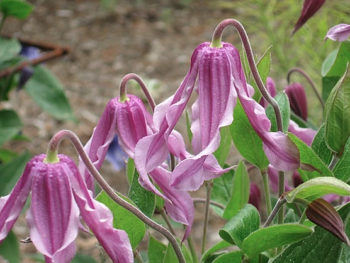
<point>131,122</point>
<point>339,32</point>
<point>216,69</point>
<point>116,155</point>
<point>297,99</point>
<point>58,197</point>
<point>310,7</point>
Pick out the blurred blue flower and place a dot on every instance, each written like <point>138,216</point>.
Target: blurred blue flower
<point>29,53</point>
<point>116,155</point>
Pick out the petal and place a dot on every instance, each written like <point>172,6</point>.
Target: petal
<point>297,99</point>
<point>310,7</point>
<point>305,134</point>
<point>100,220</point>
<point>180,205</point>
<point>53,216</point>
<point>12,204</point>
<point>339,32</point>
<point>271,88</point>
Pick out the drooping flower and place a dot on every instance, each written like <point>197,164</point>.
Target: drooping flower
<point>116,155</point>
<point>131,122</point>
<point>297,99</point>
<point>58,197</point>
<point>339,32</point>
<point>310,7</point>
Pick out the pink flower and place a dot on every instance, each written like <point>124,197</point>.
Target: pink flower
<point>59,197</point>
<point>131,122</point>
<point>310,7</point>
<point>339,32</point>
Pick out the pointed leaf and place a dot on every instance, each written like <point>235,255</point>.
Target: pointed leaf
<point>241,225</point>
<point>309,159</point>
<point>222,191</point>
<point>283,103</point>
<point>156,250</point>
<point>124,219</point>
<point>48,93</point>
<point>9,48</point>
<point>263,66</point>
<point>231,257</point>
<point>337,115</point>
<point>217,247</point>
<point>225,145</point>
<point>240,192</point>
<point>273,237</point>
<point>335,63</point>
<point>321,246</point>
<point>320,147</point>
<point>247,142</point>
<point>318,187</point>
<point>143,199</point>
<point>342,168</point>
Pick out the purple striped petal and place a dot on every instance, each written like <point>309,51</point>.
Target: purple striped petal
<point>53,216</point>
<point>128,119</point>
<point>180,205</point>
<point>100,220</point>
<point>339,32</point>
<point>12,204</point>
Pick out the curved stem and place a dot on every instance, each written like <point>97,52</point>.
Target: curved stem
<point>206,214</point>
<point>216,42</point>
<point>281,201</point>
<point>307,77</point>
<point>202,200</point>
<point>53,146</point>
<point>138,79</point>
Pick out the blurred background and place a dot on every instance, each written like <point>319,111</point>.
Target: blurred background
<point>155,39</point>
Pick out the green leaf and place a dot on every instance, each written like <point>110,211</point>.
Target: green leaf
<point>247,142</point>
<point>342,168</point>
<point>338,67</point>
<point>263,66</point>
<point>17,8</point>
<point>225,145</point>
<point>320,247</point>
<point>318,187</point>
<point>337,115</point>
<point>170,256</point>
<point>11,171</point>
<point>273,237</point>
<point>6,155</point>
<point>240,192</point>
<point>124,219</point>
<point>217,247</point>
<point>222,191</point>
<point>9,249</point>
<point>143,199</point>
<point>156,251</point>
<point>80,258</point>
<point>328,84</point>
<point>48,93</point>
<point>320,147</point>
<point>309,160</point>
<point>283,103</point>
<point>241,225</point>
<point>231,257</point>
<point>9,48</point>
<point>10,125</point>
<point>130,170</point>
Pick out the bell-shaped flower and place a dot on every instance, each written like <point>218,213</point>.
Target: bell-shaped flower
<point>339,32</point>
<point>297,99</point>
<point>58,197</point>
<point>310,7</point>
<point>131,122</point>
<point>216,70</point>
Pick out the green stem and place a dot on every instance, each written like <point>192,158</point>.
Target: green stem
<point>208,185</point>
<point>281,201</point>
<point>280,193</point>
<point>192,250</point>
<point>55,142</point>
<point>167,221</point>
<point>266,191</point>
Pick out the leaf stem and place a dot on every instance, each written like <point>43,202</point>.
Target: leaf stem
<point>54,144</point>
<point>308,78</point>
<point>208,185</point>
<point>266,191</point>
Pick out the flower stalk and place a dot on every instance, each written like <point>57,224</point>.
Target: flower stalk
<point>53,147</point>
<point>209,186</point>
